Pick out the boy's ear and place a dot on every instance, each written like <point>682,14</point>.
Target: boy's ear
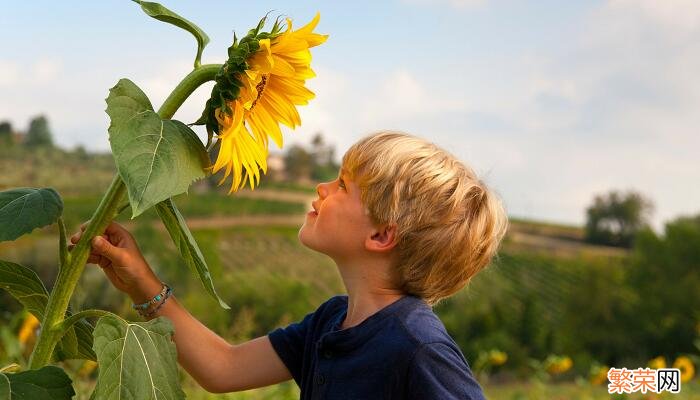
<point>382,238</point>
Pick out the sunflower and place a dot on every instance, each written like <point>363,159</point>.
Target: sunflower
<point>269,88</point>
<point>687,368</point>
<point>27,332</point>
<point>497,357</point>
<point>657,363</point>
<point>598,374</point>
<point>556,365</point>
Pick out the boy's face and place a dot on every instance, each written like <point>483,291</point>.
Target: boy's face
<point>338,224</point>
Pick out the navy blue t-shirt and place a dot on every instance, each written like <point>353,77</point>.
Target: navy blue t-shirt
<point>401,352</point>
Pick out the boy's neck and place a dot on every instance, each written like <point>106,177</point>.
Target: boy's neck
<point>369,289</point>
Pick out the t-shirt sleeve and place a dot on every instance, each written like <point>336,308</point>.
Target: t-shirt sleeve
<point>439,371</point>
<point>289,344</point>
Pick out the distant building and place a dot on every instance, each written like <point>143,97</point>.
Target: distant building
<point>18,137</point>
<point>276,166</point>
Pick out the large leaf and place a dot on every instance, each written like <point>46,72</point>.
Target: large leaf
<point>185,242</point>
<point>161,13</point>
<point>47,383</point>
<point>23,284</point>
<point>138,360</point>
<point>76,343</point>
<point>155,158</point>
<point>24,209</point>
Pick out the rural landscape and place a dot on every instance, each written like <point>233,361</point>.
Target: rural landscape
<point>558,307</point>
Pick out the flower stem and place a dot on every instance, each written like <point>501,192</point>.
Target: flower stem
<point>109,208</point>
<point>70,273</point>
<point>184,89</point>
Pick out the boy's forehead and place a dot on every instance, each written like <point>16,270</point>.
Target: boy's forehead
<point>346,173</point>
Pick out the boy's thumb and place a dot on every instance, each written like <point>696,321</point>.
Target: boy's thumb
<point>104,248</point>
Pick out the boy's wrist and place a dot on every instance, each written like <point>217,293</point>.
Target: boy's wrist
<point>145,290</point>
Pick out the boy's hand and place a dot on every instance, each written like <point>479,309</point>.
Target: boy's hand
<point>121,260</point>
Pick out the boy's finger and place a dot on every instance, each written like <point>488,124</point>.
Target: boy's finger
<point>104,248</point>
<point>115,229</point>
<point>93,259</point>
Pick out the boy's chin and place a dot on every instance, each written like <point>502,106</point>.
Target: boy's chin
<point>307,241</point>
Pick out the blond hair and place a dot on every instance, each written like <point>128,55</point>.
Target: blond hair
<point>449,224</point>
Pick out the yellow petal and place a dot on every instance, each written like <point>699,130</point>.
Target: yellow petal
<point>281,67</point>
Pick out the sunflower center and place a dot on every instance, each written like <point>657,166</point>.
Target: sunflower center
<point>260,88</point>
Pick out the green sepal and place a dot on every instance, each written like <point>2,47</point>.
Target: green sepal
<point>161,13</point>
<point>227,86</point>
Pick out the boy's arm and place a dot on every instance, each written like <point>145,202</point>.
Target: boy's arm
<point>217,365</point>
<point>214,363</point>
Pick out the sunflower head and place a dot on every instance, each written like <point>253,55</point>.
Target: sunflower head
<point>27,332</point>
<point>685,365</point>
<point>497,357</point>
<point>228,81</point>
<point>256,90</point>
<point>598,374</point>
<point>556,365</point>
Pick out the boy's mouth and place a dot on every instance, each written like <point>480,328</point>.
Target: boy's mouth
<point>313,212</point>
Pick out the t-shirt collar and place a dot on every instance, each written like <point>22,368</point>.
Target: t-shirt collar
<point>350,338</point>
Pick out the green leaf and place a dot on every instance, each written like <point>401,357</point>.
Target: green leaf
<point>185,242</point>
<point>138,360</point>
<point>47,383</point>
<point>155,158</point>
<point>161,13</point>
<point>24,209</point>
<point>23,284</point>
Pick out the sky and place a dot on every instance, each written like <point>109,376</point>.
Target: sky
<point>550,102</point>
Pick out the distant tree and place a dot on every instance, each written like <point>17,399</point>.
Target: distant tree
<point>324,167</point>
<point>39,134</point>
<point>664,273</point>
<point>81,153</point>
<point>298,163</point>
<point>615,218</point>
<point>6,133</point>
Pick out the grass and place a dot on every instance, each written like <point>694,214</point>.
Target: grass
<point>209,205</point>
<point>580,391</point>
<point>270,280</point>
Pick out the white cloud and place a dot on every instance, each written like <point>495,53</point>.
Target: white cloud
<point>9,73</point>
<point>403,96</point>
<point>46,71</point>
<point>455,4</point>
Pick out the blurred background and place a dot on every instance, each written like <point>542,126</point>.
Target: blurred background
<point>582,116</point>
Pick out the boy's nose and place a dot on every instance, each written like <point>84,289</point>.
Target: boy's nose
<point>322,190</point>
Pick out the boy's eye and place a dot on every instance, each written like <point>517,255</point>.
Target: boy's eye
<point>341,183</point>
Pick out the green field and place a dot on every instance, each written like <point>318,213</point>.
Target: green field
<point>547,293</point>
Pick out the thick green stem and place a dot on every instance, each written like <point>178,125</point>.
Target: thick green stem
<point>70,273</point>
<point>110,206</point>
<point>185,88</point>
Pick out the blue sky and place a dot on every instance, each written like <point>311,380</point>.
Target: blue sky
<point>551,102</point>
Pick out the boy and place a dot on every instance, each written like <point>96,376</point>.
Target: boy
<point>407,225</point>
